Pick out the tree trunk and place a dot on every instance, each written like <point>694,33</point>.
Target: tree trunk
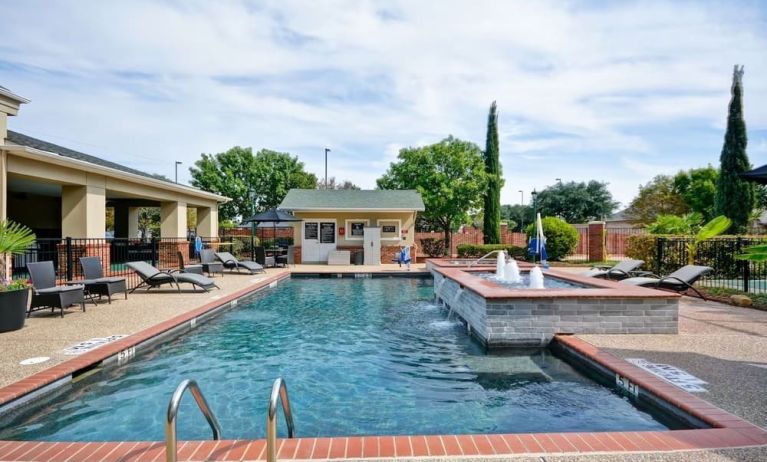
<point>5,267</point>
<point>448,243</point>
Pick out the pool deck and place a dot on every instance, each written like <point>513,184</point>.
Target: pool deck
<point>723,345</point>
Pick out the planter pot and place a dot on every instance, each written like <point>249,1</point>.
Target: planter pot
<point>13,309</point>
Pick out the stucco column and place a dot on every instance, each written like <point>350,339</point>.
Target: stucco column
<point>173,219</point>
<point>133,214</point>
<point>207,222</point>
<point>3,184</point>
<point>83,211</point>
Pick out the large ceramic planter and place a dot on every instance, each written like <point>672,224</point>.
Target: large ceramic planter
<point>13,309</point>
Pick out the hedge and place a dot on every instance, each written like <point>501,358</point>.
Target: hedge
<point>480,250</point>
<point>561,237</point>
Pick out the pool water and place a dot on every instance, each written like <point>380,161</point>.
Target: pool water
<point>549,282</point>
<point>360,357</point>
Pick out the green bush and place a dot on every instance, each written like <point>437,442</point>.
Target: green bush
<point>642,247</point>
<point>479,250</point>
<point>433,247</point>
<point>675,224</point>
<point>561,237</point>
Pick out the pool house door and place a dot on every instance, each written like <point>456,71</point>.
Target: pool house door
<point>318,240</point>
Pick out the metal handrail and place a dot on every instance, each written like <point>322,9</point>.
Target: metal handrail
<point>171,449</point>
<point>279,390</point>
<point>483,257</point>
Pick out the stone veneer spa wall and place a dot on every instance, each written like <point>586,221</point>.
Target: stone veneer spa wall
<point>501,317</point>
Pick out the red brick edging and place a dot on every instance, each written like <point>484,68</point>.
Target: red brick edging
<point>728,430</point>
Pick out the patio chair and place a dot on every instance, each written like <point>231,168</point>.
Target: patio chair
<point>96,284</point>
<point>232,263</point>
<point>622,270</point>
<point>209,263</point>
<point>261,257</point>
<point>182,268</point>
<point>45,293</point>
<point>678,281</point>
<point>152,277</point>
<point>288,258</point>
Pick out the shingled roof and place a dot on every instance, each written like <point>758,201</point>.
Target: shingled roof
<point>24,140</point>
<point>351,199</point>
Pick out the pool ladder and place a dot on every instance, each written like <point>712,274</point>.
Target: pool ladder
<point>475,262</point>
<point>279,391</point>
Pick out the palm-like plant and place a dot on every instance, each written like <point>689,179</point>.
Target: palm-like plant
<point>756,253</point>
<point>15,238</point>
<point>713,228</point>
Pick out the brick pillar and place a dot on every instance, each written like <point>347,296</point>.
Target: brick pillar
<point>167,255</point>
<point>597,248</point>
<point>297,254</point>
<point>79,249</point>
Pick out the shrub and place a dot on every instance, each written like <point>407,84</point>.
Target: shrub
<point>479,250</point>
<point>433,247</point>
<point>561,237</point>
<point>642,247</point>
<point>675,224</point>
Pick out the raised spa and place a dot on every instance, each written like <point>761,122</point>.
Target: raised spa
<point>511,314</point>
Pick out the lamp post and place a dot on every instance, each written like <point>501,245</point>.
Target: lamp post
<point>177,164</point>
<point>327,150</point>
<point>522,215</point>
<point>559,180</point>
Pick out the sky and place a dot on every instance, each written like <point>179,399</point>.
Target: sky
<point>612,91</point>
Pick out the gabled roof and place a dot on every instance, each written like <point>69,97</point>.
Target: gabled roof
<point>24,140</point>
<point>351,199</point>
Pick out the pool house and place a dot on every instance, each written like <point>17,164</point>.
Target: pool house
<point>339,225</point>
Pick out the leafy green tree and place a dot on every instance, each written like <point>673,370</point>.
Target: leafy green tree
<point>254,182</point>
<point>149,222</point>
<point>491,223</point>
<point>519,215</point>
<point>657,197</point>
<point>332,184</point>
<point>450,175</point>
<point>710,230</point>
<point>576,202</point>
<point>735,197</point>
<point>697,187</point>
<point>675,224</point>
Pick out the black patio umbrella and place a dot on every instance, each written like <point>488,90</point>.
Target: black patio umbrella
<point>757,175</point>
<point>272,216</point>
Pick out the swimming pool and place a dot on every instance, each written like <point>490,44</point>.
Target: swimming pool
<point>360,357</point>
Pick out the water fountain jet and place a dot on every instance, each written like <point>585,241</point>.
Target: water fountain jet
<point>536,278</point>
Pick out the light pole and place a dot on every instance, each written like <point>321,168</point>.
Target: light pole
<point>327,150</point>
<point>177,164</point>
<point>521,197</point>
<point>559,180</point>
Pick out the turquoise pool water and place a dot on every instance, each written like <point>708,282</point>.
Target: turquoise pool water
<point>360,357</point>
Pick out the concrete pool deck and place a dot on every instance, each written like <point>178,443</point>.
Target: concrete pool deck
<point>717,343</point>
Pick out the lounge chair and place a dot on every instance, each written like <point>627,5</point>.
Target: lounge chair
<point>232,263</point>
<point>96,284</point>
<point>261,257</point>
<point>152,277</point>
<point>209,263</point>
<point>678,281</point>
<point>622,270</point>
<point>182,268</point>
<point>45,293</point>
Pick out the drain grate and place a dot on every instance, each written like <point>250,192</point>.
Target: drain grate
<point>90,344</point>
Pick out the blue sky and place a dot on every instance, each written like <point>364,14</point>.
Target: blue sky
<point>613,91</point>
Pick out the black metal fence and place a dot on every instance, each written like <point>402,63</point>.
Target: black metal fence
<point>672,253</point>
<point>114,254</point>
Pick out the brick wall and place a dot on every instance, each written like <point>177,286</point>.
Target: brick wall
<point>471,235</point>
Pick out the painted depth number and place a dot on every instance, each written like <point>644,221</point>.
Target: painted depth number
<point>626,385</point>
<point>126,355</point>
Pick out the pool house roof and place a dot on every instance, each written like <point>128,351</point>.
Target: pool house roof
<point>352,200</point>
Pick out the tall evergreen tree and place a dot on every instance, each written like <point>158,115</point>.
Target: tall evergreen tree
<point>735,197</point>
<point>492,212</point>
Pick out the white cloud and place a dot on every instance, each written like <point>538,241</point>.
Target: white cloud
<point>584,90</point>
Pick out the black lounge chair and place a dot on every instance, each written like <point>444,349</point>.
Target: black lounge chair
<point>152,277</point>
<point>45,293</point>
<point>209,263</point>
<point>624,269</point>
<point>232,263</point>
<point>96,284</point>
<point>678,281</point>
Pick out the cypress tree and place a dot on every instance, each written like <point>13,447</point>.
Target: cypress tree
<point>735,197</point>
<point>492,217</point>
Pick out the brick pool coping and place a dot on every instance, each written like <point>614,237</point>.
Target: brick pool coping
<point>599,288</point>
<point>728,430</point>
